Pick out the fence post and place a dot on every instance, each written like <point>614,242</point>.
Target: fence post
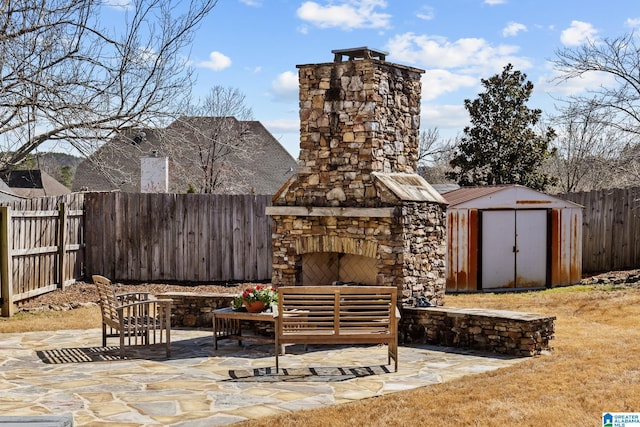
<point>62,248</point>
<point>6,276</point>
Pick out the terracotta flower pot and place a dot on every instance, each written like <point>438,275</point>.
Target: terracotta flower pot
<point>254,307</point>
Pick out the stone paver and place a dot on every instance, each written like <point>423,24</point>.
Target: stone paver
<point>67,372</point>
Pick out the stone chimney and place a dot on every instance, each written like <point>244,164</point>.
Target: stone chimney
<point>357,211</point>
<point>356,117</point>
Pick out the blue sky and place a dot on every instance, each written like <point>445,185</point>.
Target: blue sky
<point>255,45</point>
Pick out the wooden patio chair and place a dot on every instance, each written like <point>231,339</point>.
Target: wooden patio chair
<point>137,318</point>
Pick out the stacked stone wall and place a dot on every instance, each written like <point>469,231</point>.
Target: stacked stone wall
<point>424,251</point>
<point>193,310</point>
<point>520,334</point>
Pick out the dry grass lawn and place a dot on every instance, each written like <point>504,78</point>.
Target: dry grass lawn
<point>49,320</point>
<point>595,367</point>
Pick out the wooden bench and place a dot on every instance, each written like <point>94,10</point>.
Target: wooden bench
<point>338,315</point>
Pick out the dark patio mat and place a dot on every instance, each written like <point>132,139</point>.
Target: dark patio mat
<point>321,374</point>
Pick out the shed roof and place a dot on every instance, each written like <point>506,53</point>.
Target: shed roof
<point>465,194</point>
<point>510,196</point>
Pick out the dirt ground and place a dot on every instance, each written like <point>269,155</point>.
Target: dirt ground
<point>82,293</point>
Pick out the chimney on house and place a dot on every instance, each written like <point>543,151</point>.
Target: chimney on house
<point>154,174</point>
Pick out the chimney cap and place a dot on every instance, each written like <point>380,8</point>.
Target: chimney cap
<point>359,52</point>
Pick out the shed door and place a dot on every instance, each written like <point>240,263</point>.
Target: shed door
<point>531,248</point>
<point>514,249</point>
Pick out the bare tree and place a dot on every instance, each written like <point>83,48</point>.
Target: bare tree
<point>617,59</point>
<point>587,148</point>
<point>434,155</point>
<point>67,78</point>
<point>429,145</point>
<point>211,146</point>
<point>627,166</point>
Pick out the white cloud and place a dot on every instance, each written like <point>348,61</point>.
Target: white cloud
<point>513,28</point>
<point>453,117</point>
<point>632,22</point>
<point>346,14</point>
<point>283,125</point>
<point>425,13</point>
<point>588,81</point>
<point>252,3</point>
<point>144,55</point>
<point>494,2</point>
<point>472,56</point>
<point>578,33</point>
<point>118,4</point>
<point>285,86</point>
<point>217,61</point>
<point>438,82</point>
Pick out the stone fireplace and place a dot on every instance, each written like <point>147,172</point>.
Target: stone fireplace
<point>356,211</point>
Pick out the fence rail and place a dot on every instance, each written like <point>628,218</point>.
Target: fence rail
<point>47,243</point>
<point>41,247</point>
<point>178,237</point>
<point>611,223</point>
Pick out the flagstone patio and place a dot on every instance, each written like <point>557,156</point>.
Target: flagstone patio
<point>67,372</point>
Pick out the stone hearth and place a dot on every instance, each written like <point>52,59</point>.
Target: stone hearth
<point>356,211</point>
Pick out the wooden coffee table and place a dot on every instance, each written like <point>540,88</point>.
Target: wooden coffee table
<point>227,323</point>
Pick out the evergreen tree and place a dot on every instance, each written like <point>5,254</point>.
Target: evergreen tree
<point>65,176</point>
<point>501,145</point>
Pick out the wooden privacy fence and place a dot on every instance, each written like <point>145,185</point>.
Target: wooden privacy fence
<point>610,229</point>
<point>41,247</point>
<point>178,237</point>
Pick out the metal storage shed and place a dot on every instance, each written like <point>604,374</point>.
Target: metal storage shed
<point>511,237</point>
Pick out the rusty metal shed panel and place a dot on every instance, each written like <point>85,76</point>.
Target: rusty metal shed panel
<point>462,250</point>
<point>465,260</point>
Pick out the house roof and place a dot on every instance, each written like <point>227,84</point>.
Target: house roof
<point>33,183</point>
<point>6,194</point>
<point>511,196</point>
<point>262,168</point>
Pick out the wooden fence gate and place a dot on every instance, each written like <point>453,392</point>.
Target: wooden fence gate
<point>41,247</point>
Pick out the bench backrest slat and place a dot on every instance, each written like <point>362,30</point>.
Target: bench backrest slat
<point>338,315</point>
<point>310,307</point>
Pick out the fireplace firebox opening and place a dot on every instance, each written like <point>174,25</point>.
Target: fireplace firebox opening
<point>330,268</point>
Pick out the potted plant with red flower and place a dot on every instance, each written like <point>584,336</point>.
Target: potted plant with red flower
<point>256,299</point>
